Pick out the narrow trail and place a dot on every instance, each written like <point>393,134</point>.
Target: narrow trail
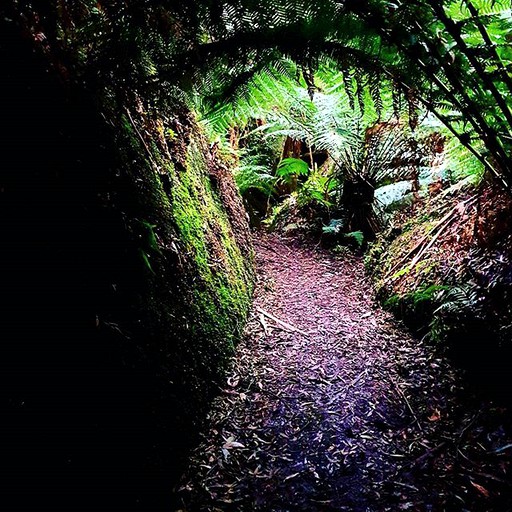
<point>335,407</point>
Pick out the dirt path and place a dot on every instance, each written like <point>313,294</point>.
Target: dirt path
<point>337,408</point>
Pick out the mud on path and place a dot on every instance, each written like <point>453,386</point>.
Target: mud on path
<point>332,406</point>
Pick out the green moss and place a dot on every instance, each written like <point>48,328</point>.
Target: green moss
<point>223,281</point>
<point>416,307</point>
<point>194,285</point>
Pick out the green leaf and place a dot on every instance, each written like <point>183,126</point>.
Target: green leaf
<point>145,260</point>
<point>292,166</point>
<point>357,236</point>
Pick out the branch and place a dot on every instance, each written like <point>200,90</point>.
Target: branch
<point>492,47</point>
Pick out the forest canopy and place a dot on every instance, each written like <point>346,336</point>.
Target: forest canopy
<point>452,57</point>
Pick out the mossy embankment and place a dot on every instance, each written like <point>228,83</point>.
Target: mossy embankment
<point>126,279</point>
<point>444,267</point>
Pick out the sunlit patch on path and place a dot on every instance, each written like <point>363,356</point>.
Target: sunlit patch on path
<point>332,406</point>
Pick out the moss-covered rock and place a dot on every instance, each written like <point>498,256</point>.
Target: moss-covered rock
<point>188,233</point>
<point>193,241</point>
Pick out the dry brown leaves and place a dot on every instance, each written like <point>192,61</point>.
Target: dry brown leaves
<point>331,406</point>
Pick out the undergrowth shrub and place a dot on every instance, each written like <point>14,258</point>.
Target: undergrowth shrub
<point>415,308</point>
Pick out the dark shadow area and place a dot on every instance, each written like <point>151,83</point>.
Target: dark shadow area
<point>472,344</point>
<point>87,422</point>
<point>485,361</point>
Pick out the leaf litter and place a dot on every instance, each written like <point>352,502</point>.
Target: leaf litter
<point>331,405</point>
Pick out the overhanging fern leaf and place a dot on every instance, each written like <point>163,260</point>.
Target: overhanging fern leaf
<point>292,166</point>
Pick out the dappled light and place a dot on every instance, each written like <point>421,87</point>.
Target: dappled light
<point>258,255</point>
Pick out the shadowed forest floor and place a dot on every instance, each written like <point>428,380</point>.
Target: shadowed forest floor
<point>332,406</point>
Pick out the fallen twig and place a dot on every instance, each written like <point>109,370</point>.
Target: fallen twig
<point>438,229</point>
<point>402,394</point>
<point>288,326</point>
<point>150,156</point>
<point>407,486</point>
<point>422,458</point>
<point>488,476</point>
<point>502,449</point>
<point>461,207</point>
<point>263,323</point>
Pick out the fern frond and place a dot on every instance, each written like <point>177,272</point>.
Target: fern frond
<point>254,177</point>
<point>459,300</point>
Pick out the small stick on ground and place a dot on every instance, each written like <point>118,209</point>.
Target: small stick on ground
<point>288,326</point>
<point>263,323</point>
<point>407,486</point>
<point>422,458</point>
<point>402,394</point>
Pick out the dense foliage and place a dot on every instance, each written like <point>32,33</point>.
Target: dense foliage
<point>108,139</point>
<point>453,57</point>
<point>450,57</point>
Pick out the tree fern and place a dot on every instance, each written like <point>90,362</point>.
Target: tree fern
<point>460,163</point>
<point>254,177</point>
<point>456,51</point>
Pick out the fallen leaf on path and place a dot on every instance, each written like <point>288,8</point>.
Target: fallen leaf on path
<point>233,382</point>
<point>231,443</point>
<point>480,489</point>
<point>435,416</point>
